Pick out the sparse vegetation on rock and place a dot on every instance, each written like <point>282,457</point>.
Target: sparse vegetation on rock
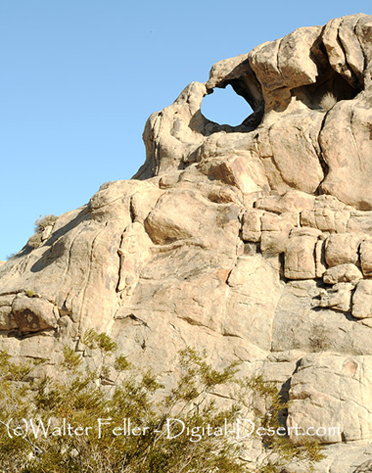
<point>35,240</point>
<point>43,222</point>
<point>42,225</point>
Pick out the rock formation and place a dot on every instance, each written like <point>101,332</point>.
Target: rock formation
<point>253,242</point>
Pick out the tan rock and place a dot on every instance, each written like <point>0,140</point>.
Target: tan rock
<point>362,300</point>
<point>168,133</point>
<point>338,297</point>
<point>306,231</point>
<point>342,273</point>
<point>223,195</point>
<point>326,201</point>
<point>278,73</point>
<point>7,321</point>
<point>342,248</point>
<point>299,260</point>
<point>276,64</point>
<point>319,255</point>
<point>251,229</point>
<point>170,179</point>
<point>325,219</point>
<point>346,54</point>
<point>353,117</point>
<point>291,61</point>
<point>326,392</point>
<point>231,67</point>
<point>350,166</point>
<point>134,253</point>
<point>341,219</point>
<point>7,300</point>
<point>360,222</point>
<point>300,325</point>
<point>293,150</point>
<point>245,172</point>
<point>274,242</point>
<point>276,230</point>
<point>143,201</point>
<point>176,213</point>
<point>46,232</point>
<point>250,308</point>
<point>291,201</point>
<point>33,314</point>
<point>339,458</point>
<point>274,222</point>
<point>366,257</point>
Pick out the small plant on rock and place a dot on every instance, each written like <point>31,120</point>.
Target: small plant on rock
<point>40,225</point>
<point>43,222</point>
<point>328,101</point>
<point>35,240</point>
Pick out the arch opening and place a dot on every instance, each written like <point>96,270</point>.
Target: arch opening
<point>225,107</point>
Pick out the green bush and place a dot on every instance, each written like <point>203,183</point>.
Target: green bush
<point>85,394</point>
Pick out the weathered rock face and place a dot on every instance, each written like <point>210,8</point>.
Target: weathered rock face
<point>294,139</point>
<point>253,242</point>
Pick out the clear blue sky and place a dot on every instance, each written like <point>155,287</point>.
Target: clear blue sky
<point>79,78</point>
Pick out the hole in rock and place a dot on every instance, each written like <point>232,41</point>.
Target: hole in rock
<point>225,107</point>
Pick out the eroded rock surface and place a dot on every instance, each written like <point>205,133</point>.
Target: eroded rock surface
<point>253,242</point>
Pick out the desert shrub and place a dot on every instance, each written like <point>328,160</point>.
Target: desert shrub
<point>280,450</point>
<point>35,240</point>
<point>40,225</point>
<point>29,293</point>
<point>43,222</point>
<point>87,396</point>
<point>328,101</point>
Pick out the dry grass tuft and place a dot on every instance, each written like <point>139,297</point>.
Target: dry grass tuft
<point>328,101</point>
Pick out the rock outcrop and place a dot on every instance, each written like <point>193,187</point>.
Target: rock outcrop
<point>253,242</point>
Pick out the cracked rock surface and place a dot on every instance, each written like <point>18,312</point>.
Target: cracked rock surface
<point>253,242</point>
